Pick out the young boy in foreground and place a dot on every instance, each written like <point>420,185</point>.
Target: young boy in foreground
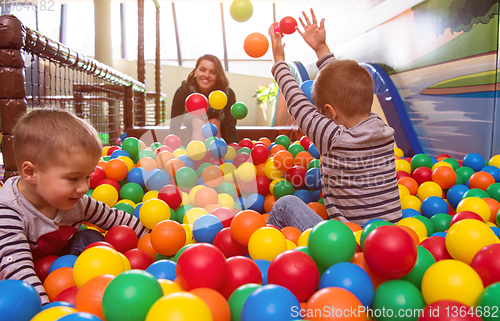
<point>42,209</point>
<point>357,147</point>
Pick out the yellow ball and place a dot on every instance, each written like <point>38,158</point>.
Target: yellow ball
<point>290,245</point>
<point>128,161</point>
<point>53,314</point>
<point>415,225</point>
<point>476,205</point>
<point>105,193</point>
<point>357,236</point>
<point>229,171</point>
<point>169,286</point>
<point>95,261</point>
<point>178,152</point>
<point>153,212</point>
<point>230,154</point>
<point>193,214</point>
<point>428,189</point>
<point>466,237</point>
<point>271,171</point>
<point>439,164</point>
<point>179,306</point>
<point>451,280</point>
<point>126,201</point>
<point>185,199</point>
<point>402,165</point>
<point>192,192</point>
<point>410,201</point>
<point>217,99</point>
<point>150,195</point>
<point>403,191</point>
<point>189,233</point>
<point>246,172</point>
<point>304,237</point>
<point>274,182</point>
<point>266,243</point>
<point>196,150</point>
<point>105,151</point>
<point>495,161</point>
<point>225,200</point>
<point>126,262</point>
<point>398,152</point>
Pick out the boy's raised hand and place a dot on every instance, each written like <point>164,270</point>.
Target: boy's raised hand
<point>313,35</point>
<point>276,45</point>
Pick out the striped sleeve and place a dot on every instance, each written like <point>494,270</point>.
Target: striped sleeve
<point>321,130</point>
<point>16,260</point>
<point>106,217</point>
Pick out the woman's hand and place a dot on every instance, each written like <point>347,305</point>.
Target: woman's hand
<point>276,44</point>
<point>313,35</point>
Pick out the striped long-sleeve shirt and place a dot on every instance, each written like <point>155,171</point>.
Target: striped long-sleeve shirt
<point>26,234</point>
<point>358,165</point>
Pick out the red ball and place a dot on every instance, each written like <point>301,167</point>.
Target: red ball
<point>240,159</point>
<point>486,262</point>
<point>447,310</point>
<point>259,154</point>
<point>390,251</point>
<point>172,141</point>
<point>246,142</point>
<point>163,148</point>
<point>42,266</point>
<point>287,25</point>
<point>112,149</point>
<point>465,215</point>
<point>422,174</point>
<point>437,246</point>
<point>401,174</point>
<point>296,175</point>
<point>196,104</point>
<point>96,177</point>
<point>111,182</point>
<point>172,195</point>
<point>296,271</point>
<point>224,214</point>
<point>122,237</point>
<point>68,295</point>
<point>225,242</point>
<point>305,142</point>
<point>241,270</point>
<point>202,265</point>
<point>263,185</point>
<point>139,259</point>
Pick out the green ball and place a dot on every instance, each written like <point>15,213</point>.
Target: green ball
<point>421,160</point>
<point>201,168</point>
<point>322,201</point>
<point>186,178</point>
<point>489,302</point>
<point>147,153</point>
<point>315,163</point>
<point>132,191</point>
<point>209,140</point>
<point>155,146</point>
<point>129,296</point>
<point>476,192</point>
<point>132,146</point>
<point>160,257</point>
<point>424,261</point>
<point>331,242</point>
<point>106,158</point>
<point>441,222</point>
<point>173,215</point>
<point>494,191</point>
<point>89,192</point>
<point>428,224</point>
<point>241,10</point>
<point>245,150</point>
<point>239,110</point>
<point>283,140</point>
<point>453,162</point>
<point>227,188</point>
<point>237,206</point>
<point>498,218</point>
<point>238,297</point>
<point>181,211</point>
<point>127,208</point>
<point>465,173</point>
<point>283,188</point>
<point>370,227</point>
<point>303,249</point>
<point>459,181</point>
<point>395,296</point>
<point>182,249</point>
<point>295,149</point>
<point>82,227</point>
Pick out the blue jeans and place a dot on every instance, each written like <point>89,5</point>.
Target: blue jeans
<point>292,211</point>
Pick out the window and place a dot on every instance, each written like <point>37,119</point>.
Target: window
<point>81,39</point>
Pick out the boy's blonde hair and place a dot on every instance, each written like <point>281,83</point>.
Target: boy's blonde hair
<point>345,84</point>
<point>43,136</point>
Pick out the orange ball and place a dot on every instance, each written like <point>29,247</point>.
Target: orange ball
<point>244,224</point>
<point>269,202</point>
<point>58,281</point>
<point>89,297</point>
<point>494,207</point>
<point>303,158</point>
<point>359,260</point>
<point>173,166</point>
<point>276,148</point>
<point>410,184</point>
<point>211,207</point>
<point>162,158</point>
<point>205,196</point>
<point>266,141</point>
<point>265,217</point>
<point>167,237</point>
<point>147,163</point>
<point>481,180</point>
<point>291,233</point>
<point>216,302</point>
<point>412,233</point>
<point>319,208</point>
<point>116,169</point>
<point>283,160</point>
<point>336,299</point>
<point>444,176</point>
<point>212,176</point>
<point>256,45</point>
<point>353,226</point>
<point>102,164</point>
<point>260,169</point>
<point>144,243</point>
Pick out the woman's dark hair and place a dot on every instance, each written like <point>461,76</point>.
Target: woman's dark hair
<point>222,81</point>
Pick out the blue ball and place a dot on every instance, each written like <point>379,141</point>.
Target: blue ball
<point>255,202</point>
<point>475,161</point>
<point>434,160</point>
<point>218,148</point>
<point>494,171</point>
<point>163,269</point>
<point>79,316</point>
<point>137,209</point>
<point>188,162</point>
<point>306,87</point>
<point>241,201</point>
<point>316,195</point>
<point>371,221</point>
<point>313,150</point>
<point>19,301</point>
<point>455,194</point>
<point>410,212</point>
<point>351,277</point>
<point>270,302</point>
<point>123,136</point>
<point>138,175</point>
<point>313,179</point>
<point>496,230</point>
<point>201,182</point>
<point>119,152</point>
<point>157,178</point>
<point>433,205</point>
<point>304,195</point>
<point>209,130</point>
<point>441,234</point>
<point>63,261</point>
<point>57,304</point>
<point>263,267</point>
<point>206,227</point>
<point>271,146</point>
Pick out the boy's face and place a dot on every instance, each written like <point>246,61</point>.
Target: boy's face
<point>62,185</point>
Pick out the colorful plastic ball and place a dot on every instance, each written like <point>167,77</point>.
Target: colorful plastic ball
<point>255,201</point>
<point>287,25</point>
<point>283,188</point>
<point>205,196</point>
<point>132,191</point>
<point>138,259</point>
<point>329,237</point>
<point>206,227</point>
<point>137,175</point>
<point>369,226</point>
<point>476,192</point>
<point>153,211</point>
<point>266,243</point>
<point>390,251</point>
<point>239,110</point>
<point>226,243</point>
<point>481,180</point>
<point>163,269</point>
<point>156,179</point>
<point>488,302</point>
<point>269,302</point>
<point>433,205</point>
<point>494,191</point>
<point>296,175</point>
<point>304,195</point>
<point>486,263</point>
<point>130,295</point>
<point>196,150</point>
<point>422,174</point>
<point>464,215</point>
<point>256,45</point>
<point>122,237</point>
<point>493,171</point>
<point>42,265</point>
<point>186,178</point>
<point>172,141</point>
<point>453,311</point>
<point>19,301</point>
<point>116,169</point>
<point>474,161</point>
<point>428,189</point>
<point>259,154</point>
<point>217,100</point>
<point>241,10</point>
<point>338,301</point>
<point>179,306</point>
<point>399,299</point>
<point>244,224</point>
<point>105,193</point>
<point>96,176</point>
<point>241,270</point>
<point>95,261</point>
<point>58,281</point>
<point>246,172</point>
<point>171,195</point>
<point>455,194</point>
<point>167,237</point>
<point>424,260</point>
<point>451,280</point>
<point>476,205</point>
<point>79,316</point>
<point>437,246</point>
<point>63,261</point>
<point>132,146</point>
<point>226,215</point>
<point>441,221</point>
<point>410,183</point>
<point>420,160</point>
<point>217,304</point>
<point>444,176</point>
<point>89,297</point>
<point>218,148</point>
<point>54,313</point>
<point>313,150</point>
<point>196,104</point>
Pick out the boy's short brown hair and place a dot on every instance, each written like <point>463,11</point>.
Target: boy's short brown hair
<point>345,84</point>
<point>44,135</point>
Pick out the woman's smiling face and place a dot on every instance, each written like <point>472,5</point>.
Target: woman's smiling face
<point>206,76</point>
